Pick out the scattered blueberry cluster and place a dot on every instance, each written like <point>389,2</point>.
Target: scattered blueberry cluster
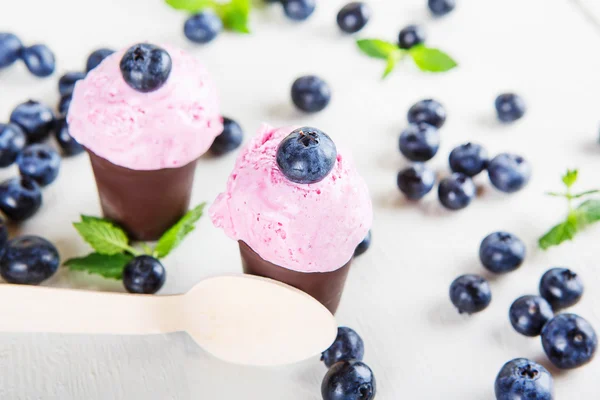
<point>38,58</point>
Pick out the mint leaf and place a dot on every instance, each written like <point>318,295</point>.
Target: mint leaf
<point>570,177</point>
<point>431,60</point>
<point>175,235</point>
<point>378,48</point>
<point>103,236</point>
<point>100,264</point>
<point>586,193</point>
<point>236,20</point>
<point>588,212</point>
<point>392,60</point>
<point>192,5</point>
<point>560,233</point>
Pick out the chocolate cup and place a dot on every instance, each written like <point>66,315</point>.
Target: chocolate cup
<point>326,287</point>
<point>144,203</point>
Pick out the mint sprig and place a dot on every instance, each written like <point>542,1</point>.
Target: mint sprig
<point>100,264</point>
<point>175,235</point>
<point>235,14</point>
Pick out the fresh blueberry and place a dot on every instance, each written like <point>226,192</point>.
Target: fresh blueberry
<point>419,142</point>
<point>561,287</point>
<point>411,36</point>
<point>36,120</point>
<point>429,111</point>
<point>310,93</point>
<point>307,155</point>
<point>96,58</point>
<point>146,67</point>
<point>29,260</point>
<point>416,181</point>
<point>39,60</point>
<point>363,246</point>
<point>298,10</point>
<point>439,8</point>
<point>348,345</point>
<point>20,198</point>
<point>353,17</point>
<point>529,314</point>
<point>10,49</point>
<point>456,191</point>
<point>569,341</point>
<point>349,380</point>
<point>469,159</point>
<point>230,139</point>
<point>510,107</point>
<point>524,379</point>
<point>3,234</point>
<point>64,104</point>
<point>203,27</point>
<point>144,274</point>
<point>509,172</point>
<point>66,83</point>
<point>39,162</point>
<point>502,252</point>
<point>12,142</point>
<point>470,293</point>
<point>68,145</point>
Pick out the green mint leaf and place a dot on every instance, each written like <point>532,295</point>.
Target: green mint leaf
<point>586,193</point>
<point>570,177</point>
<point>560,233</point>
<point>236,20</point>
<point>392,60</point>
<point>192,5</point>
<point>103,236</point>
<point>378,48</point>
<point>175,235</point>
<point>588,212</point>
<point>100,264</point>
<point>431,60</point>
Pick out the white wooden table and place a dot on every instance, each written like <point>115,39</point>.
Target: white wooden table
<point>396,297</point>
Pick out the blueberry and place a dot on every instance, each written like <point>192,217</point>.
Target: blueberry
<point>3,234</point>
<point>310,93</point>
<point>509,172</point>
<point>561,287</point>
<point>349,380</point>
<point>39,60</point>
<point>469,159</point>
<point>10,49</point>
<point>510,107</point>
<point>439,8</point>
<point>363,246</point>
<point>64,104</point>
<point>419,142</point>
<point>144,274</point>
<point>470,293</point>
<point>298,10</point>
<point>348,345</point>
<point>96,58</point>
<point>36,120</point>
<point>353,17</point>
<point>66,83</point>
<point>569,341</point>
<point>416,181</point>
<point>68,145</point>
<point>20,198</point>
<point>230,139</point>
<point>307,155</point>
<point>145,67</point>
<point>524,379</point>
<point>202,27</point>
<point>456,191</point>
<point>12,142</point>
<point>39,162</point>
<point>429,111</point>
<point>411,36</point>
<point>502,252</point>
<point>29,260</point>
<point>529,314</point>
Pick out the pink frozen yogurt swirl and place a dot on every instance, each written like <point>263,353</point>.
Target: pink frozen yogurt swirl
<point>166,128</point>
<point>306,228</point>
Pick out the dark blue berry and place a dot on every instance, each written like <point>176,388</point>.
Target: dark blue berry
<point>299,10</point>
<point>96,58</point>
<point>29,260</point>
<point>524,379</point>
<point>311,93</point>
<point>456,191</point>
<point>349,380</point>
<point>469,159</point>
<point>509,172</point>
<point>39,162</point>
<point>411,36</point>
<point>12,142</point>
<point>502,252</point>
<point>144,275</point>
<point>353,17</point>
<point>64,104</point>
<point>529,314</point>
<point>202,27</point>
<point>439,8</point>
<point>230,139</point>
<point>416,181</point>
<point>561,287</point>
<point>569,341</point>
<point>429,111</point>
<point>470,293</point>
<point>66,83</point>
<point>420,142</point>
<point>39,60</point>
<point>146,67</point>
<point>68,145</point>
<point>348,345</point>
<point>20,198</point>
<point>363,246</point>
<point>307,155</point>
<point>510,107</point>
<point>3,234</point>
<point>36,120</point>
<point>10,49</point>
